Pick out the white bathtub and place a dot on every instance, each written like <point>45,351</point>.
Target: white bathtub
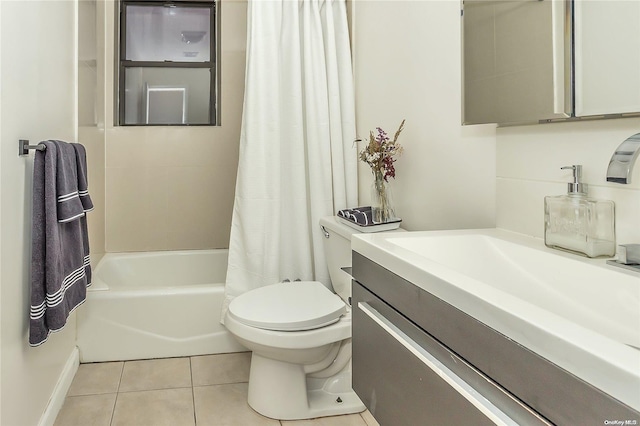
<point>155,305</point>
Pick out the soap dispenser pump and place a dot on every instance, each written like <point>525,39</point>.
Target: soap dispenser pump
<point>578,223</point>
<point>576,187</point>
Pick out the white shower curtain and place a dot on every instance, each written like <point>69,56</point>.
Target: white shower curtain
<point>298,158</point>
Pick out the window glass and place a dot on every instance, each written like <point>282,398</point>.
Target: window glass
<point>168,63</point>
<point>167,95</point>
<point>168,33</point>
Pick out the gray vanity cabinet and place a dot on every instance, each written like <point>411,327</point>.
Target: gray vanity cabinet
<point>395,384</point>
<point>418,360</point>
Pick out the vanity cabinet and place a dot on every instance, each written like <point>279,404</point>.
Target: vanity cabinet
<point>418,360</point>
<point>405,376</point>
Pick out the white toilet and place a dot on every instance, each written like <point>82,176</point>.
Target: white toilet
<point>300,335</point>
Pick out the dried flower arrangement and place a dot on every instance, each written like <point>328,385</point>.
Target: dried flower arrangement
<point>380,155</point>
<point>380,152</point>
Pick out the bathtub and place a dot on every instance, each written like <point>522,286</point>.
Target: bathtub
<point>155,305</point>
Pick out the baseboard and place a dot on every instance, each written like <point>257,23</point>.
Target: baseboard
<point>60,391</point>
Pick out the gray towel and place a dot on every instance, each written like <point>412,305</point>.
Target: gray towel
<point>69,204</point>
<point>60,266</point>
<point>360,215</point>
<point>85,199</point>
<point>83,184</point>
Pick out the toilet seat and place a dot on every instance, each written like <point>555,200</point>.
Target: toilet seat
<point>289,306</point>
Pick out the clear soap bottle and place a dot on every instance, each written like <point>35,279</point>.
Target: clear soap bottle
<point>578,223</point>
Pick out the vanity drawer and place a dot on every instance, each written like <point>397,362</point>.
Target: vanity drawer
<point>405,377</point>
<point>557,395</point>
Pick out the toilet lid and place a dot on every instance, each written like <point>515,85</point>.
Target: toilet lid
<point>290,306</point>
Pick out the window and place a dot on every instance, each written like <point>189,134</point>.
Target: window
<point>168,63</point>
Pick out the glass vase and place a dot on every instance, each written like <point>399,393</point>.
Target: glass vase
<point>381,200</point>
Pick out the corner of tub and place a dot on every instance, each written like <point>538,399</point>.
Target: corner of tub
<point>98,285</point>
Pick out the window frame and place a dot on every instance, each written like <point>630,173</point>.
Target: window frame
<point>213,64</point>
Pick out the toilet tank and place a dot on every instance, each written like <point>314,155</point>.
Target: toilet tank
<point>337,250</point>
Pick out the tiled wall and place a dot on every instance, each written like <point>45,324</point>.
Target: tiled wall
<point>91,113</point>
<point>528,168</point>
<point>93,140</point>
<point>170,188</point>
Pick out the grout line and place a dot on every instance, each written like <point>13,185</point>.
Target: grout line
<point>154,389</point>
<point>120,379</point>
<point>115,402</point>
<point>190,369</point>
<point>193,394</point>
<point>363,419</point>
<point>113,409</point>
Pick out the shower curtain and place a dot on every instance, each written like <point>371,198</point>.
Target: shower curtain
<point>298,158</point>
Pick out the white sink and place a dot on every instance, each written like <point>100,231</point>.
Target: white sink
<point>579,313</point>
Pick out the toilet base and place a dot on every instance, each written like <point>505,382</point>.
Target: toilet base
<point>281,391</point>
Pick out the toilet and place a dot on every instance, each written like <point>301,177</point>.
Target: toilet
<point>300,335</point>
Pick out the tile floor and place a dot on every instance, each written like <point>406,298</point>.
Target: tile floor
<point>199,390</point>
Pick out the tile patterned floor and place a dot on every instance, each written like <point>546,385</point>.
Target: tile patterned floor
<point>208,390</point>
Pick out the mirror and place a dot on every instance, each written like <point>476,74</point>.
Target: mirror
<point>607,57</point>
<point>519,66</point>
<point>516,61</point>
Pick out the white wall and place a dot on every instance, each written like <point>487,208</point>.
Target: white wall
<point>407,65</point>
<point>1,222</point>
<point>37,77</point>
<point>528,168</point>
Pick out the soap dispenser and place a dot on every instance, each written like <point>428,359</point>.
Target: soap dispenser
<point>578,223</point>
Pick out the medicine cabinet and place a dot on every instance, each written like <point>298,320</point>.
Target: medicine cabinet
<point>537,61</point>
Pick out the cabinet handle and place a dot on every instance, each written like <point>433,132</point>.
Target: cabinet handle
<point>463,388</point>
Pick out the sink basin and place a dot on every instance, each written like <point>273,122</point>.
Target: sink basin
<point>579,313</point>
<point>567,288</point>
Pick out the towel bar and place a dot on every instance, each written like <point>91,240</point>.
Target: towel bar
<point>24,147</point>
